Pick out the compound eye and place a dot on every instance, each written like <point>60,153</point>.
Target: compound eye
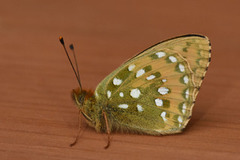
<point>81,99</point>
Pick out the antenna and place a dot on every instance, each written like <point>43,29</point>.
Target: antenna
<point>76,64</point>
<point>75,72</point>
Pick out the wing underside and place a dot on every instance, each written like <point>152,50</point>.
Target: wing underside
<point>154,92</point>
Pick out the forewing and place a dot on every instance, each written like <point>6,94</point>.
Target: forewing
<point>154,92</point>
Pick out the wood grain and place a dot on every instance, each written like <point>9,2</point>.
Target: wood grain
<point>38,119</point>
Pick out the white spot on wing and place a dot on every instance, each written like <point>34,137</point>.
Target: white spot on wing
<point>135,93</point>
<point>124,106</point>
<point>180,119</point>
<point>184,107</point>
<point>121,94</point>
<point>181,67</point>
<point>117,81</point>
<point>150,77</point>
<point>185,79</point>
<point>172,59</point>
<point>139,108</point>
<point>163,90</point>
<point>159,102</point>
<point>109,94</point>
<point>131,67</point>
<point>163,115</point>
<point>140,73</point>
<point>187,94</point>
<point>164,80</point>
<point>160,54</point>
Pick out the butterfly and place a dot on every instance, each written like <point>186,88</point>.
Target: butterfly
<point>152,93</point>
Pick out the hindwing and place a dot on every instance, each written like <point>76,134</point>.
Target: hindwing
<point>154,92</point>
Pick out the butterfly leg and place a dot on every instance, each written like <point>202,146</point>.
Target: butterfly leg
<point>108,130</point>
<point>79,128</point>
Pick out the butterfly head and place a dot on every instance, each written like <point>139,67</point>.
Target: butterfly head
<point>84,100</point>
<point>79,96</point>
<point>82,97</point>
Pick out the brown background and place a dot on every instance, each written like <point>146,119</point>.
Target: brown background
<point>38,119</point>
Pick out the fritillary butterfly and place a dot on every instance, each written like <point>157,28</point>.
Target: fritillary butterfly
<point>152,93</point>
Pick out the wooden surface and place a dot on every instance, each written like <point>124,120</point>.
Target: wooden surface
<point>38,119</point>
